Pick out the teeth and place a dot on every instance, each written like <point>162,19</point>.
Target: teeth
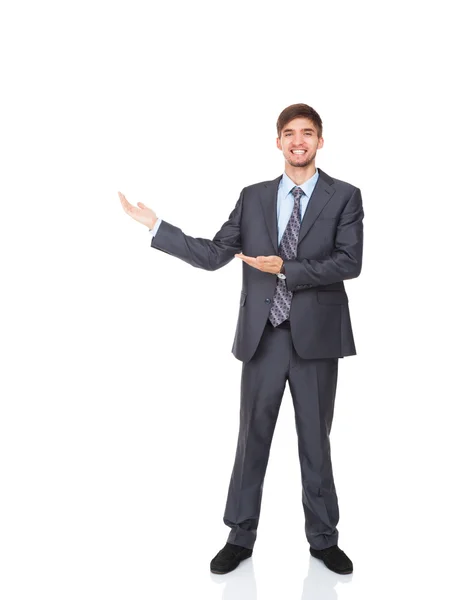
<point>298,151</point>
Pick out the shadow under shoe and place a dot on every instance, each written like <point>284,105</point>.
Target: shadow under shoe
<point>335,559</point>
<point>229,558</point>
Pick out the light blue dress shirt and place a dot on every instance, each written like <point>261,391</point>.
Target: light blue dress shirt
<point>285,202</point>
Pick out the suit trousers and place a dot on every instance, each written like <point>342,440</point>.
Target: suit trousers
<point>313,388</point>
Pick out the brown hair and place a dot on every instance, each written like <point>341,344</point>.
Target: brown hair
<point>299,110</point>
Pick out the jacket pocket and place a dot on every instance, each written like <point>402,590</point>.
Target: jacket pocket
<point>332,297</point>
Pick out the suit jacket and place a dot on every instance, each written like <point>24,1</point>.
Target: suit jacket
<point>330,249</point>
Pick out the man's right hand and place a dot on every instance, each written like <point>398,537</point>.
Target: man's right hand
<point>143,214</point>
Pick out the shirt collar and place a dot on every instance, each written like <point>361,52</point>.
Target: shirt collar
<point>307,187</point>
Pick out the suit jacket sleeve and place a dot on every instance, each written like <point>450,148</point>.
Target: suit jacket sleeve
<point>345,260</point>
<point>199,252</point>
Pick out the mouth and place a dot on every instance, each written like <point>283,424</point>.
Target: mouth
<point>298,152</point>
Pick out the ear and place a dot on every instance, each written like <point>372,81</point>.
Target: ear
<point>278,143</point>
<point>321,141</point>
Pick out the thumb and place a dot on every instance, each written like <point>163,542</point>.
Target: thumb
<point>141,205</point>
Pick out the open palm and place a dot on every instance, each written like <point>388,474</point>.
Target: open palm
<point>143,214</point>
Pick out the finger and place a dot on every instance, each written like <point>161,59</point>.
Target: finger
<point>123,200</point>
<point>250,261</point>
<point>128,208</point>
<point>263,261</point>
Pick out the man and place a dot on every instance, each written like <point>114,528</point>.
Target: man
<point>299,237</point>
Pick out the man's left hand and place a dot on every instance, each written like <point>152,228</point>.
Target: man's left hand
<point>268,264</point>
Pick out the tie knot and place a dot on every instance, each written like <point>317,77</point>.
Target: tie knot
<point>297,192</point>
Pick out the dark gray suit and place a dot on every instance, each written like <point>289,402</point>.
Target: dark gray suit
<point>306,355</point>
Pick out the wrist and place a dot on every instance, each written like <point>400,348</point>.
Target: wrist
<point>282,269</point>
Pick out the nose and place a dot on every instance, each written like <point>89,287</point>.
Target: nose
<point>298,141</point>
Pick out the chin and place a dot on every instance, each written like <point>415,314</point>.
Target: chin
<point>299,164</point>
<point>302,163</point>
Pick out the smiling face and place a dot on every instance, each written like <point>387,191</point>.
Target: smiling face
<point>299,142</point>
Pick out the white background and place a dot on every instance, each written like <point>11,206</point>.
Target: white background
<point>119,393</point>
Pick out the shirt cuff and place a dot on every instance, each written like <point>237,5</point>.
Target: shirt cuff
<point>154,231</point>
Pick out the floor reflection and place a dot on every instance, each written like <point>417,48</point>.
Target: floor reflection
<point>240,583</point>
<point>319,583</point>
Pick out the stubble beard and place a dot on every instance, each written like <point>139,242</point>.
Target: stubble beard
<point>302,162</point>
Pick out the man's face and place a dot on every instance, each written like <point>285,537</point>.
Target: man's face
<point>299,142</point>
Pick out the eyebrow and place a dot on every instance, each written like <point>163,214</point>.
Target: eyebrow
<point>305,129</point>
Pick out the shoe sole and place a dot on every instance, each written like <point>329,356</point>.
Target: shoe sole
<point>233,568</point>
<point>224,572</point>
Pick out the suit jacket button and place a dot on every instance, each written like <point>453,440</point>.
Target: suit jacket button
<point>267,301</point>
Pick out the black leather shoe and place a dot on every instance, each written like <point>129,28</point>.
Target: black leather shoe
<point>335,559</point>
<point>229,558</point>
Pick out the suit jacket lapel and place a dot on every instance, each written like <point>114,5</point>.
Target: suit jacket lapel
<point>268,199</point>
<point>320,196</point>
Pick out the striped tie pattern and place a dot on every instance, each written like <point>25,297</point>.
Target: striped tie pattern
<point>280,307</point>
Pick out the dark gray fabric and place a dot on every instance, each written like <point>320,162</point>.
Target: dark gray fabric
<point>329,251</point>
<point>312,386</point>
<point>330,245</point>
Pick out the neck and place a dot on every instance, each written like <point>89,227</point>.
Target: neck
<point>300,174</point>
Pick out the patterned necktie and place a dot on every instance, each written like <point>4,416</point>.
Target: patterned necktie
<point>280,308</point>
